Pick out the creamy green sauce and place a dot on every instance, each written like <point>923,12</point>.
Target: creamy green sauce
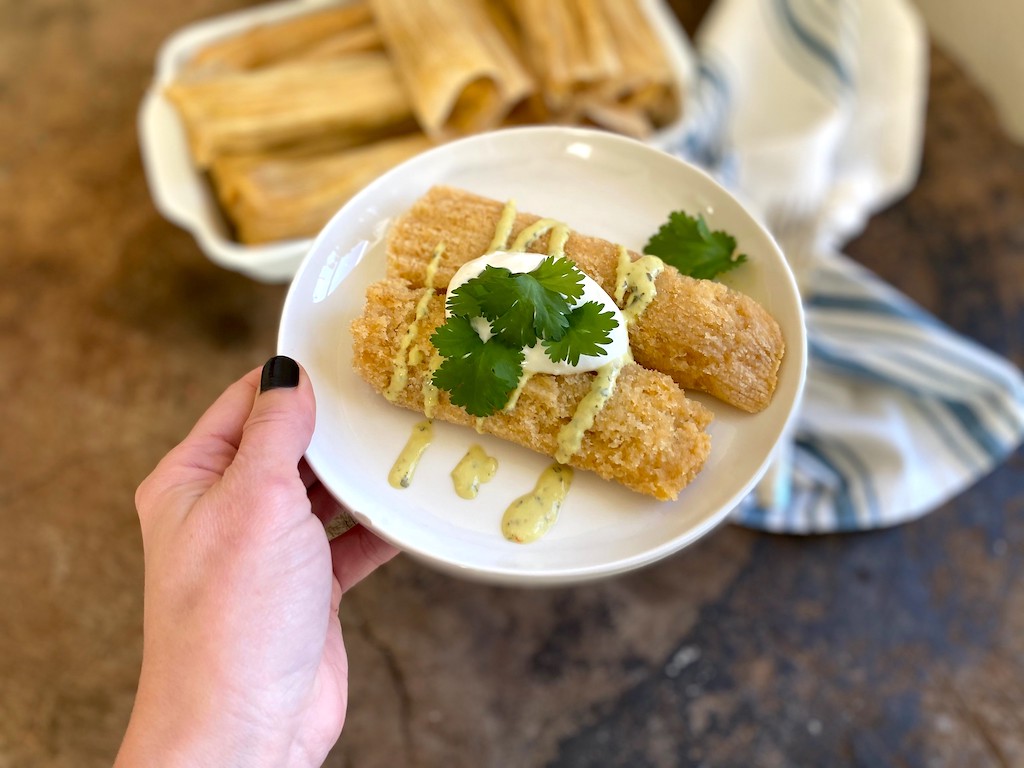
<point>530,516</point>
<point>538,229</point>
<point>430,392</point>
<point>403,357</point>
<point>475,468</point>
<point>514,397</point>
<point>570,437</point>
<point>405,466</point>
<point>557,241</point>
<point>634,283</point>
<point>504,228</point>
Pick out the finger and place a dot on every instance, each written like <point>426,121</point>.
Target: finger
<point>356,554</point>
<point>309,478</point>
<point>201,458</point>
<point>324,505</point>
<point>214,439</point>
<point>280,425</point>
<point>335,597</point>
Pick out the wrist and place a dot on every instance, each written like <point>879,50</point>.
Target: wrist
<point>182,733</point>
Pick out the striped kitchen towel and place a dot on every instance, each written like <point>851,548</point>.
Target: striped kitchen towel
<point>812,112</point>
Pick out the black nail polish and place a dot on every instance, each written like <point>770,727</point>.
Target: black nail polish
<point>279,372</point>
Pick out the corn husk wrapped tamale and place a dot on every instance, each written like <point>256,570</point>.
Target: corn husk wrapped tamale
<point>278,41</point>
<point>282,196</point>
<point>264,108</point>
<point>360,39</point>
<point>460,73</point>
<point>599,62</point>
<point>646,83</point>
<point>567,45</point>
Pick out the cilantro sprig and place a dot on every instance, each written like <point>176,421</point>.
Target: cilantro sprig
<point>587,332</point>
<point>479,375</point>
<point>521,309</point>
<point>689,245</point>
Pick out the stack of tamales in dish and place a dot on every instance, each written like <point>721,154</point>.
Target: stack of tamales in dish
<point>291,118</point>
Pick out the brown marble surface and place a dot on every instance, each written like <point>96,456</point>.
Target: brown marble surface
<point>902,647</point>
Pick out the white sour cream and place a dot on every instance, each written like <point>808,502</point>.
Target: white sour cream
<point>537,360</point>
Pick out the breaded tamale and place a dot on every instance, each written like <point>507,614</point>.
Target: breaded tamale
<point>649,436</point>
<point>703,334</point>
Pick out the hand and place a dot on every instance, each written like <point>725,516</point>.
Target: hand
<point>243,659</point>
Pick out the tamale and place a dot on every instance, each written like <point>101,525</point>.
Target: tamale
<point>263,108</point>
<point>568,46</point>
<point>356,40</point>
<point>646,81</point>
<point>273,42</point>
<point>649,436</point>
<point>615,117</point>
<point>283,196</point>
<point>703,334</point>
<point>456,65</point>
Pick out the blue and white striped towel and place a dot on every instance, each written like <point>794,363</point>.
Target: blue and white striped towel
<point>812,111</point>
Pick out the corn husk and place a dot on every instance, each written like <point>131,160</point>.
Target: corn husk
<point>251,111</point>
<point>278,41</point>
<point>460,73</point>
<point>568,45</point>
<point>281,196</point>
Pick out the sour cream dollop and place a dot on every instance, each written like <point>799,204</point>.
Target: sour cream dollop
<point>536,359</point>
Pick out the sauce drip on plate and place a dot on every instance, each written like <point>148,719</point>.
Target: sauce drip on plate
<point>475,469</point>
<point>530,516</point>
<point>405,465</point>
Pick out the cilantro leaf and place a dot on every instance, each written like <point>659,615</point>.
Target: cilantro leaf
<point>478,375</point>
<point>521,309</point>
<point>589,329</point>
<point>469,298</point>
<point>559,276</point>
<point>456,337</point>
<point>689,245</point>
<point>534,311</point>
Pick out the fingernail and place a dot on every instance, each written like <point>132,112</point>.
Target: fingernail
<point>278,372</point>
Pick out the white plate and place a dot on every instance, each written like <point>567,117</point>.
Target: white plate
<point>598,184</point>
<point>181,192</point>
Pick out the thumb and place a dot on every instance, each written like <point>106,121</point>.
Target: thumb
<point>280,426</point>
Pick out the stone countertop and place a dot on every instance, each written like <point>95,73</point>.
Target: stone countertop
<point>898,647</point>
